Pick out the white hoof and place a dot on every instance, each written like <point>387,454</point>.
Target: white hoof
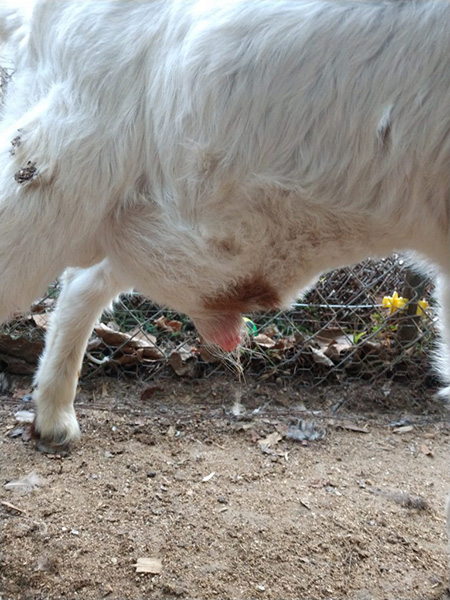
<point>444,394</point>
<point>57,426</point>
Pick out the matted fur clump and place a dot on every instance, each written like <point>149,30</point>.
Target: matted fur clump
<point>216,156</point>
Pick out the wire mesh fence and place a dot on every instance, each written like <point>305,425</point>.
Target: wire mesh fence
<point>374,320</point>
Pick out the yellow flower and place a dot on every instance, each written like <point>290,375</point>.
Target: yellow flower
<point>394,302</point>
<point>422,306</point>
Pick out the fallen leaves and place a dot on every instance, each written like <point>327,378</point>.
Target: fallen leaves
<point>20,354</point>
<point>184,363</point>
<point>264,341</point>
<point>327,353</point>
<point>129,349</point>
<point>169,325</point>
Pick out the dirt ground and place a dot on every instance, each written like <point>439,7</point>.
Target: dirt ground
<point>235,491</point>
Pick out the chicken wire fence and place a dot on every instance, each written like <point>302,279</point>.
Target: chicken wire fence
<point>374,320</point>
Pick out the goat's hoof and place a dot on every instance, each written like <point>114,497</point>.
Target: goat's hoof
<point>54,450</point>
<point>444,395</point>
<point>59,445</point>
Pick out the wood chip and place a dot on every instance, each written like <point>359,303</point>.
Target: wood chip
<point>403,429</point>
<point>148,565</point>
<point>351,427</point>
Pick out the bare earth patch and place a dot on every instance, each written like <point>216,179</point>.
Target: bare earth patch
<point>213,482</point>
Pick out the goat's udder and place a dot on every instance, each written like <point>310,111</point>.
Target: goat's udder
<point>223,330</point>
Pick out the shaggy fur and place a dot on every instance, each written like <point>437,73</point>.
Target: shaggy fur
<point>217,156</point>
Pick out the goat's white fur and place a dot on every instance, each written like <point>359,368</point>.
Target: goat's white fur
<point>181,146</point>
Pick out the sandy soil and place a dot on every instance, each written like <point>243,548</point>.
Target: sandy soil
<point>204,478</point>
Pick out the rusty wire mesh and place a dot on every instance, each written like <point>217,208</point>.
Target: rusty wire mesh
<point>339,330</point>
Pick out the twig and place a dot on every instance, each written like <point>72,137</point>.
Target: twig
<point>11,506</point>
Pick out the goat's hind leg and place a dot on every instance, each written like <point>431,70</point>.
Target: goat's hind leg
<point>85,293</point>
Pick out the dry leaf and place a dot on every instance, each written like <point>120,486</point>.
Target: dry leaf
<point>149,391</point>
<point>270,441</point>
<point>210,354</point>
<point>320,358</point>
<point>264,341</point>
<point>135,347</point>
<point>110,336</point>
<point>143,337</point>
<point>21,394</point>
<point>127,359</point>
<point>335,350</point>
<point>166,324</point>
<point>284,344</point>
<point>253,435</point>
<point>41,319</point>
<point>20,354</point>
<point>425,450</point>
<point>331,335</point>
<point>148,565</point>
<point>184,363</point>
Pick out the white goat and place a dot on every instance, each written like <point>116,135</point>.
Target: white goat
<point>217,156</point>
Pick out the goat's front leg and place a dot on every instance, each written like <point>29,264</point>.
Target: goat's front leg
<point>85,293</point>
